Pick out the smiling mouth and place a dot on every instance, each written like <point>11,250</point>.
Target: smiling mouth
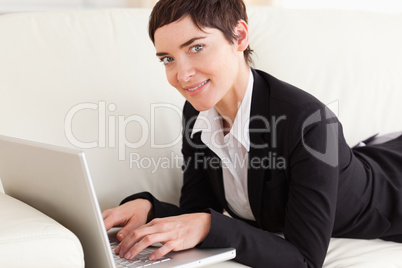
<point>197,87</point>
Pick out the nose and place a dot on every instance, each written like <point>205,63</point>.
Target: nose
<point>185,70</point>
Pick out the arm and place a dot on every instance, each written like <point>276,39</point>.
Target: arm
<point>314,187</point>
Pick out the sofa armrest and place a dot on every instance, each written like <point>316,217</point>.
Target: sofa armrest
<point>29,238</point>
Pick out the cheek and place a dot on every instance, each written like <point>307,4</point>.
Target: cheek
<point>224,61</point>
<point>171,78</point>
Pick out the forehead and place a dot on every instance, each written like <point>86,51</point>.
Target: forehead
<point>178,32</point>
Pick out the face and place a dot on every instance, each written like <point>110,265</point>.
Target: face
<point>202,65</point>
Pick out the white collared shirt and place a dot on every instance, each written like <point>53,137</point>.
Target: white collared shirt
<point>232,149</point>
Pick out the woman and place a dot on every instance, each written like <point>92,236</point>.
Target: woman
<point>268,153</point>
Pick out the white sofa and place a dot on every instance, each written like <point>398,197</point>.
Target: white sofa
<point>90,79</point>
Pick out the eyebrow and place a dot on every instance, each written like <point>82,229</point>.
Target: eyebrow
<point>189,42</point>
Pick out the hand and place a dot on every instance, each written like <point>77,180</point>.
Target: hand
<point>175,233</point>
<point>130,216</point>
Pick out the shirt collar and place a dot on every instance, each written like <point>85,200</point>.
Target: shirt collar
<point>207,121</point>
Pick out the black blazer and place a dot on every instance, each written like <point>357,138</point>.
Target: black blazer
<point>303,181</point>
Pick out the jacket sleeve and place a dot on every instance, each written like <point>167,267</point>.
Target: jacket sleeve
<point>311,205</point>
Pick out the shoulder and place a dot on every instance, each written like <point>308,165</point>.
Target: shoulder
<point>283,92</point>
<point>292,111</point>
<point>276,98</point>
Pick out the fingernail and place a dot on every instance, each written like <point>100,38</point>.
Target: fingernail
<point>117,249</point>
<point>128,256</point>
<point>121,235</point>
<point>152,257</point>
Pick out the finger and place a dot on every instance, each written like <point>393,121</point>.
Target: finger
<point>131,237</point>
<point>140,229</point>
<point>145,242</point>
<point>162,251</point>
<point>105,213</point>
<point>110,220</point>
<point>133,224</point>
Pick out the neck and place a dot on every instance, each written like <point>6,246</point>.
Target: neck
<point>230,103</point>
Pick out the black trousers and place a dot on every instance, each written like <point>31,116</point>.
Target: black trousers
<point>394,238</point>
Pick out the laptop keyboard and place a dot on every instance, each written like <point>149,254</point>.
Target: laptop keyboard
<point>141,260</point>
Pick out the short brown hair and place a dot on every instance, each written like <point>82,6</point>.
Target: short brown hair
<point>220,14</point>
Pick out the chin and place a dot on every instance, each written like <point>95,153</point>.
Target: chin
<point>201,106</point>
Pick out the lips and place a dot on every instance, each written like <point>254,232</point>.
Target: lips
<point>194,88</point>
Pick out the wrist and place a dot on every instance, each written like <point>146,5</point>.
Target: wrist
<point>148,208</point>
<point>206,226</point>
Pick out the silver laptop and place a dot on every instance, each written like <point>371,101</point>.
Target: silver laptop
<point>56,181</point>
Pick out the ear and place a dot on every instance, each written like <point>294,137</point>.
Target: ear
<point>241,31</point>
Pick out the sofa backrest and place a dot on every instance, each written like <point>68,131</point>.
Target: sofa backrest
<point>90,79</point>
<point>350,60</point>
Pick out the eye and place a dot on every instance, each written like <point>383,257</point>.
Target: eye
<point>166,60</point>
<point>196,48</point>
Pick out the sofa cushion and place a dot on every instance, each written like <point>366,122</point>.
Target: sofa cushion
<point>29,238</point>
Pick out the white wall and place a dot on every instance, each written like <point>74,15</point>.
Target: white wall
<point>368,5</point>
<point>10,6</point>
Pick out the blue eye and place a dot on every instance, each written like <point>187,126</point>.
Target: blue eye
<point>166,60</point>
<point>197,48</point>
